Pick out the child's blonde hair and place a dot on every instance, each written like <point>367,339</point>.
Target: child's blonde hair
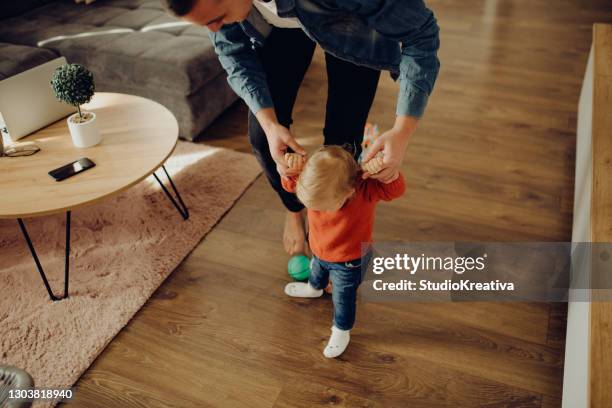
<point>327,177</point>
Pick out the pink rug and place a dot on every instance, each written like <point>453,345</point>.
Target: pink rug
<point>122,250</point>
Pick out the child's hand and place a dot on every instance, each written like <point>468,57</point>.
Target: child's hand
<point>295,162</point>
<point>373,165</point>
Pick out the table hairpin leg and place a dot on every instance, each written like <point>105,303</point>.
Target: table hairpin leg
<point>39,266</point>
<point>180,205</point>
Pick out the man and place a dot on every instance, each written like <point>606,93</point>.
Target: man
<point>266,48</point>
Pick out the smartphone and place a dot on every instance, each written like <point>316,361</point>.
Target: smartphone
<point>71,169</point>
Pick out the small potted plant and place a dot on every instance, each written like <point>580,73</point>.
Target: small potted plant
<point>74,85</point>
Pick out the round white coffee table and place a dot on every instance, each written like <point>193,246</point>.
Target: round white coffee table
<point>138,135</point>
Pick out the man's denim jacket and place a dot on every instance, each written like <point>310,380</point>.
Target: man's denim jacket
<point>396,35</point>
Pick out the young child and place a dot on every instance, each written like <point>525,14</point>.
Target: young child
<point>340,217</point>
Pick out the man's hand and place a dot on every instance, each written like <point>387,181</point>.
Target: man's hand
<point>392,144</point>
<point>279,140</point>
<point>393,178</point>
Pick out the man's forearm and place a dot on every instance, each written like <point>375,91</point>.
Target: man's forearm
<point>266,118</point>
<point>411,101</point>
<point>419,67</point>
<point>405,125</point>
<point>245,74</point>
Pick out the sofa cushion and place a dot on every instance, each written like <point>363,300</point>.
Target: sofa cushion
<point>28,57</point>
<point>123,40</point>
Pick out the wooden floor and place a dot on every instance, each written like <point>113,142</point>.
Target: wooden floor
<point>493,160</point>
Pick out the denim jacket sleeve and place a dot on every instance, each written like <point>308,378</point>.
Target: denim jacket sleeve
<point>245,74</point>
<point>420,41</point>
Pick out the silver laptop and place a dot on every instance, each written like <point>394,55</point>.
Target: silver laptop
<point>27,102</point>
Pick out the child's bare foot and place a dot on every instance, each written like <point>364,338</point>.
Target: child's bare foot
<point>294,236</point>
<point>329,288</point>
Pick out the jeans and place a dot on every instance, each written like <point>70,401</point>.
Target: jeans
<point>346,278</point>
<point>285,58</point>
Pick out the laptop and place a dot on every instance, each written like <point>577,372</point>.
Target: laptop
<point>27,102</point>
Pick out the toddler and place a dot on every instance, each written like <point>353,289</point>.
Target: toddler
<point>340,217</point>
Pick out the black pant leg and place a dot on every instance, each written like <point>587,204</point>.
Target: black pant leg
<point>285,56</point>
<point>351,91</point>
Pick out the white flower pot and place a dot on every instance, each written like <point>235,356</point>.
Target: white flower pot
<point>84,134</point>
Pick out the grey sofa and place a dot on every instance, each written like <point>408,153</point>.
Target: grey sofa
<point>131,46</point>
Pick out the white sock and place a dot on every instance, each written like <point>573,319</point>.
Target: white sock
<point>337,343</point>
<point>303,290</point>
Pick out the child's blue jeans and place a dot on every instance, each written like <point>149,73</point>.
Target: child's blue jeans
<point>346,278</point>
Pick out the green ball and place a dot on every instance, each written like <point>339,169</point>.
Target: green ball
<point>299,267</point>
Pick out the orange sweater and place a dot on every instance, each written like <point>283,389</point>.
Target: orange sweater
<point>336,236</point>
